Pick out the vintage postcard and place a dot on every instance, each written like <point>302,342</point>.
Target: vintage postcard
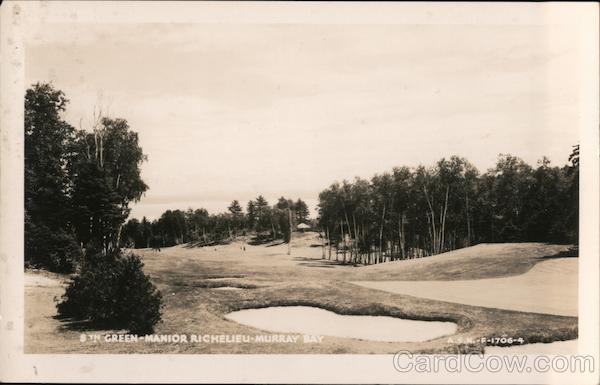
<point>284,192</point>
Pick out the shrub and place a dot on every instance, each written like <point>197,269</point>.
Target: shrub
<point>112,291</point>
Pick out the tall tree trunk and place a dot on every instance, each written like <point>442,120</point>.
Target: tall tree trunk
<point>329,243</point>
<point>273,229</point>
<point>356,238</point>
<point>433,228</point>
<point>431,233</point>
<point>443,234</point>
<point>349,234</point>
<point>401,234</point>
<point>322,236</point>
<point>381,233</point>
<point>118,241</point>
<point>468,220</point>
<point>441,230</point>
<point>290,241</point>
<point>343,242</point>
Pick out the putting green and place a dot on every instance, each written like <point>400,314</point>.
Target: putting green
<point>550,287</point>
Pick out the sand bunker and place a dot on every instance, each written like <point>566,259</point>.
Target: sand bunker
<point>550,287</point>
<point>40,280</point>
<point>315,321</point>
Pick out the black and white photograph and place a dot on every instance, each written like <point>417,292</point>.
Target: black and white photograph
<point>211,181</point>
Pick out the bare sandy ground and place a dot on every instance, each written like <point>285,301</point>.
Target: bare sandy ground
<point>39,280</point>
<point>550,287</point>
<point>42,291</point>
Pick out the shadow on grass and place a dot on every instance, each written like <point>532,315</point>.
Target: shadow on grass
<point>265,239</point>
<point>221,242</point>
<point>533,336</point>
<point>572,252</point>
<point>276,244</point>
<point>206,280</point>
<point>221,276</point>
<point>312,262</point>
<point>212,284</point>
<point>316,265</point>
<point>73,324</point>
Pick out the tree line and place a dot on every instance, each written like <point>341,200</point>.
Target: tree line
<point>405,213</point>
<point>415,212</point>
<point>78,187</point>
<point>78,183</point>
<point>197,226</point>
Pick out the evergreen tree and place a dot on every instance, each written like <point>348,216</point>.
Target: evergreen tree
<point>237,216</point>
<point>301,211</point>
<point>251,215</point>
<point>263,217</point>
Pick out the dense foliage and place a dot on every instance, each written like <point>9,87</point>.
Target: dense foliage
<point>416,212</point>
<point>174,227</point>
<point>112,291</point>
<point>404,213</point>
<point>78,187</point>
<point>49,238</point>
<point>78,184</point>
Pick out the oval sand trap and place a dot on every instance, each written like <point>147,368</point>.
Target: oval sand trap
<point>315,321</point>
<point>550,287</point>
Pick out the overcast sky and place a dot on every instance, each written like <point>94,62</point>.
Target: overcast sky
<point>232,111</point>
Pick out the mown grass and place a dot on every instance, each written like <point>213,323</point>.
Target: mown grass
<point>494,260</point>
<point>212,284</point>
<point>268,277</point>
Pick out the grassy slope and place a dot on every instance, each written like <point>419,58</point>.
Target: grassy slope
<point>194,306</point>
<point>491,260</point>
